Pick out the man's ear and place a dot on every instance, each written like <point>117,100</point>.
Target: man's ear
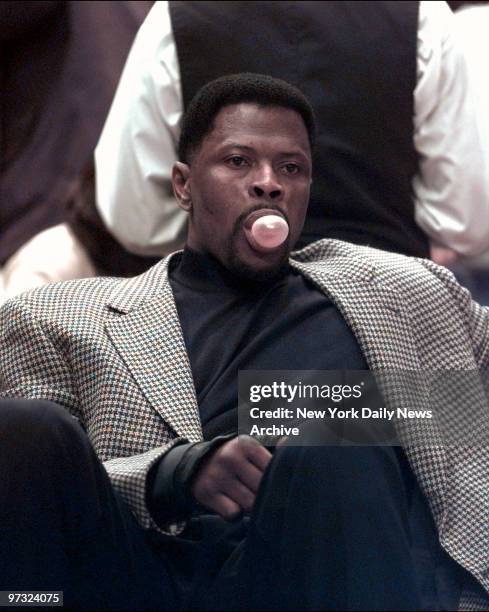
<point>181,185</point>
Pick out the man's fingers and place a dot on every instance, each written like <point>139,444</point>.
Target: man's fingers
<point>240,494</point>
<point>255,452</point>
<point>234,471</point>
<point>228,509</point>
<point>250,476</point>
<point>282,441</point>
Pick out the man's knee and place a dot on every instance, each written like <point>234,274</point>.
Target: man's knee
<point>319,490</point>
<point>357,461</point>
<point>309,473</point>
<point>30,427</point>
<point>47,457</point>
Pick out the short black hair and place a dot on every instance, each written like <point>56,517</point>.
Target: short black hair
<point>231,89</point>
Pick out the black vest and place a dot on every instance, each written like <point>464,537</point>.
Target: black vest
<point>356,62</point>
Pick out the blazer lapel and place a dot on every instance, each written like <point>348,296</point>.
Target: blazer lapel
<point>374,312</point>
<point>149,339</point>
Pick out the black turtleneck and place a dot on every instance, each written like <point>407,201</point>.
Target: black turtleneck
<point>231,325</point>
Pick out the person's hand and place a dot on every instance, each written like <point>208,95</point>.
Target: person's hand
<point>443,256</point>
<point>228,480</point>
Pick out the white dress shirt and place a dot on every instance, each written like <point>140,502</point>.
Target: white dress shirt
<point>137,148</point>
<point>472,28</point>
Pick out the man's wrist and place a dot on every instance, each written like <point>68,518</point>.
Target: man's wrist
<point>168,486</point>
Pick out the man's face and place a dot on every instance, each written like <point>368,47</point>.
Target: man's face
<point>254,159</point>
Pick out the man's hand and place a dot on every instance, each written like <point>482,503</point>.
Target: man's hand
<point>228,480</point>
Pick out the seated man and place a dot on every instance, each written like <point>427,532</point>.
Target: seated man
<point>185,513</point>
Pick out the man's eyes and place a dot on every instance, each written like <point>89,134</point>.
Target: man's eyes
<point>291,168</point>
<point>237,161</point>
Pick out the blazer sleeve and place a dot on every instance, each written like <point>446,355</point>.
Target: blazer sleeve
<point>476,316</point>
<point>32,367</point>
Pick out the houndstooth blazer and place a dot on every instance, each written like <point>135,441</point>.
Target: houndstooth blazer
<point>111,351</point>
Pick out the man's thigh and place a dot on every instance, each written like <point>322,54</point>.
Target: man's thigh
<point>62,526</point>
<point>329,530</point>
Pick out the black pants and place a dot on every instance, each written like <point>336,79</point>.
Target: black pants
<point>328,530</point>
<point>61,525</point>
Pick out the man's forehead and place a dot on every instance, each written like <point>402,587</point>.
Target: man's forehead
<point>252,113</point>
<point>252,119</point>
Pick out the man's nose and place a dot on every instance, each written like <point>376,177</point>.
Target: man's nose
<point>265,184</point>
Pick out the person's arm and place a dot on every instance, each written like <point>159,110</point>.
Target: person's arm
<point>452,186</point>
<point>38,261</point>
<point>160,485</point>
<point>33,366</point>
<point>137,148</point>
<point>169,495</point>
<point>475,316</point>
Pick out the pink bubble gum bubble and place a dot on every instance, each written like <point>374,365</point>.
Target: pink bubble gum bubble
<point>270,231</point>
